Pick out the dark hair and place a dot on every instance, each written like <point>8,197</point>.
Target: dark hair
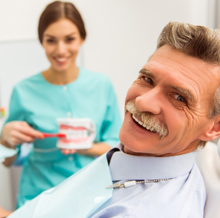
<point>57,10</point>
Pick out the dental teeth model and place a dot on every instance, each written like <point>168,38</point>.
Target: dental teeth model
<point>74,134</point>
<point>80,133</point>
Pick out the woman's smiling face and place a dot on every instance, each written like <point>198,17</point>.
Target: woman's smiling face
<point>177,91</point>
<point>61,42</point>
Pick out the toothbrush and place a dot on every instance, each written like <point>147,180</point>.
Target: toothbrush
<point>59,135</point>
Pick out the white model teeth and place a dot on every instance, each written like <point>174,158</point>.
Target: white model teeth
<point>74,134</point>
<point>143,124</point>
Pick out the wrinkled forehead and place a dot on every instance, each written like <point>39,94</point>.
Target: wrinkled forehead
<point>174,60</point>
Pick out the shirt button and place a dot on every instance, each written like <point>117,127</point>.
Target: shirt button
<point>68,114</point>
<point>64,88</point>
<point>70,158</point>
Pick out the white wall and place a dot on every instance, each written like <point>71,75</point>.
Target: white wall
<point>121,33</point>
<point>6,198</point>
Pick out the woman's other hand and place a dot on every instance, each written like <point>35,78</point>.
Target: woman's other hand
<point>4,213</point>
<point>68,151</point>
<point>17,132</point>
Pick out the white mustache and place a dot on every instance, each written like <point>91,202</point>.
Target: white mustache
<point>149,121</point>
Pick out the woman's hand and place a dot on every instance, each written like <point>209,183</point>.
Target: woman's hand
<point>4,213</point>
<point>96,150</point>
<point>68,151</point>
<point>17,132</point>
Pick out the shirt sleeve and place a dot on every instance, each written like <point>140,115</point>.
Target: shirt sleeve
<point>112,121</point>
<point>16,113</point>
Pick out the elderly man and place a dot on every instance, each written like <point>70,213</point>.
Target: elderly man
<point>170,110</point>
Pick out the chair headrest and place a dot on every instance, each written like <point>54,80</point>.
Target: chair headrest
<point>218,145</point>
<point>208,161</point>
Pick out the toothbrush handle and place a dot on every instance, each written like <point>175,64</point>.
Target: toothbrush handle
<point>59,135</point>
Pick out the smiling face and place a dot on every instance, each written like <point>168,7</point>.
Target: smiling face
<point>61,41</point>
<point>174,92</point>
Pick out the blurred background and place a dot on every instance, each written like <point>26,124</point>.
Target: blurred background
<point>122,34</point>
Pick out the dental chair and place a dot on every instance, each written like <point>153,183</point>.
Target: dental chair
<point>208,161</point>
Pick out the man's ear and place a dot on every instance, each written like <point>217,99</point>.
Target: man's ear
<point>213,132</point>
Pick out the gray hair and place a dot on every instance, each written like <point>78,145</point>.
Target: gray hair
<point>196,41</point>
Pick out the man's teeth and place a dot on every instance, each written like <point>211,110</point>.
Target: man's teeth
<point>138,121</point>
<point>143,124</point>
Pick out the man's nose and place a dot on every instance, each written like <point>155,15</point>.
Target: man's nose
<point>150,101</point>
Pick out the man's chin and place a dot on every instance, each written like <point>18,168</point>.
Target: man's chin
<point>135,151</point>
<point>128,151</point>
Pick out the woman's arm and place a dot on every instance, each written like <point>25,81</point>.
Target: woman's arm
<point>15,133</point>
<point>96,150</point>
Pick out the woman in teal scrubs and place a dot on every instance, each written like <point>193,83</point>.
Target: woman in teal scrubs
<point>64,90</point>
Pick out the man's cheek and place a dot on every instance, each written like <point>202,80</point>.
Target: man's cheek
<point>133,92</point>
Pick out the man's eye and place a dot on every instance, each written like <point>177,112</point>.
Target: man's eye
<point>149,80</point>
<point>179,98</point>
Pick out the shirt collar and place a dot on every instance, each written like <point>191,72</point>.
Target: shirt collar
<point>129,167</point>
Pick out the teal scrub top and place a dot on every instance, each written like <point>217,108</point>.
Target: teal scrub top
<point>40,103</point>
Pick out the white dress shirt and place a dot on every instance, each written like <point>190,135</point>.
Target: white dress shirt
<point>84,194</point>
<point>183,195</point>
